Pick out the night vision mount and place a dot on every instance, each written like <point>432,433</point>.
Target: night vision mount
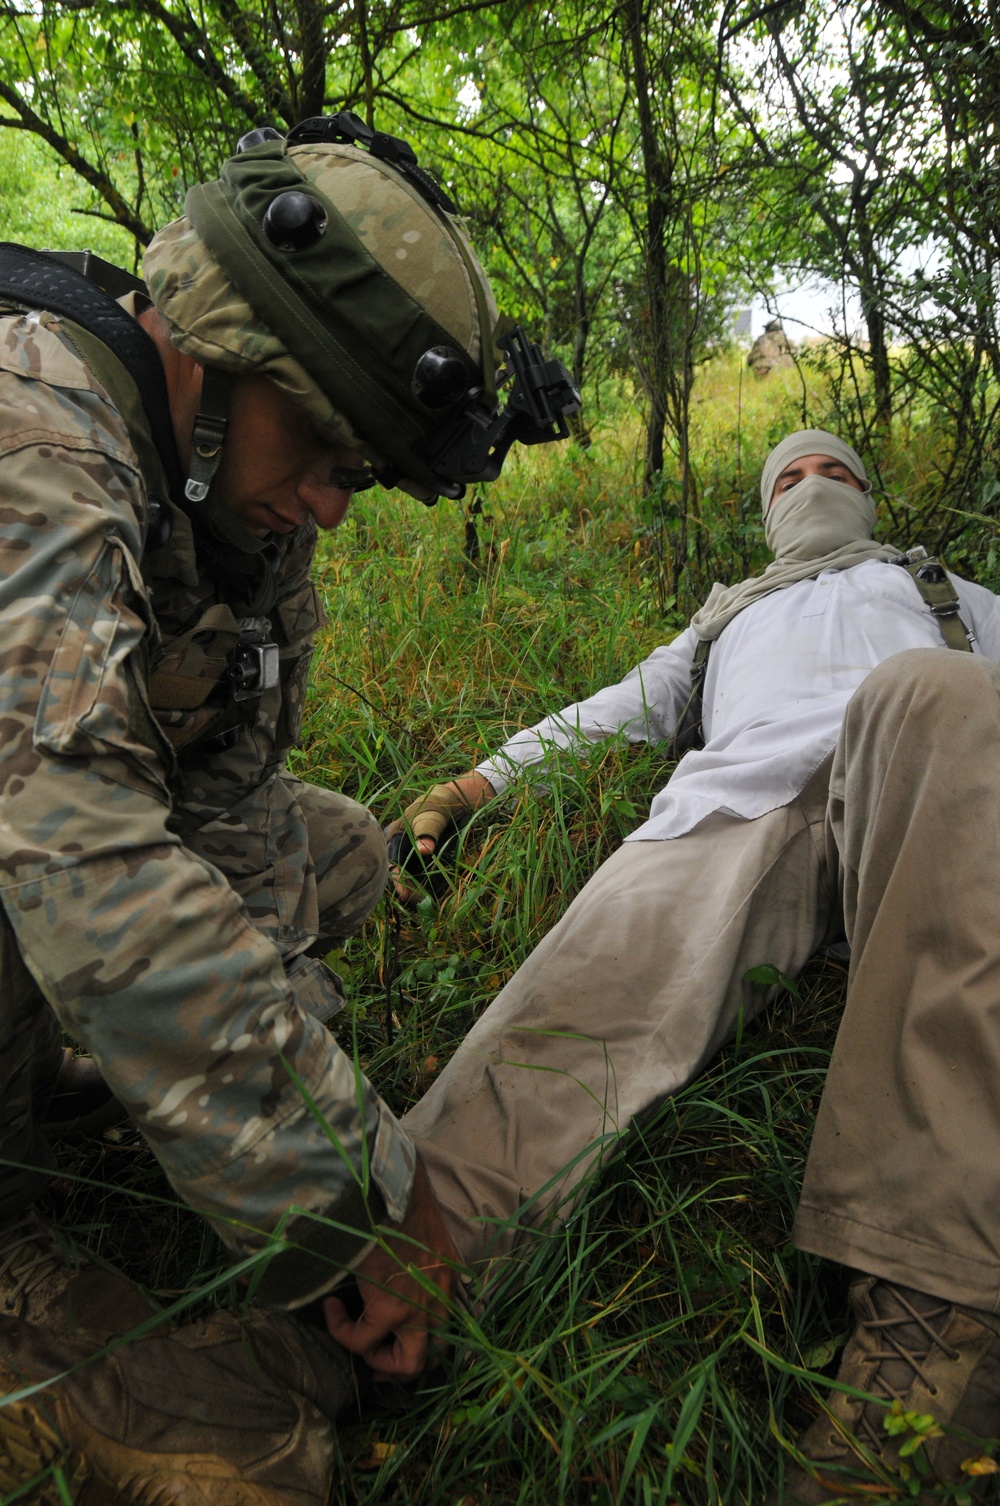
<point>473,444</point>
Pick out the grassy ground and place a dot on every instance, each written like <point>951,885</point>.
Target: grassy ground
<point>659,1347</point>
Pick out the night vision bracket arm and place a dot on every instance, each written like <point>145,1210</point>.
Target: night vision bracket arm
<point>474,444</point>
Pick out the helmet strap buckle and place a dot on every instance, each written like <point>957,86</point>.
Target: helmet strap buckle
<point>208,436</point>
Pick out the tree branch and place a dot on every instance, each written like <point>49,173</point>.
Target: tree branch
<point>193,42</point>
<point>99,181</point>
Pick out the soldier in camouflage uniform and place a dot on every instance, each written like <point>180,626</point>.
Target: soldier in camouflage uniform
<point>168,887</point>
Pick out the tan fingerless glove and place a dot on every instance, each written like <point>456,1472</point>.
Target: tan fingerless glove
<point>440,807</point>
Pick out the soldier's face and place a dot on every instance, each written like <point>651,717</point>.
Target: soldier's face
<point>814,465</point>
<point>276,470</point>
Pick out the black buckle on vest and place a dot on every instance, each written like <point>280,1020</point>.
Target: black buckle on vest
<point>254,664</point>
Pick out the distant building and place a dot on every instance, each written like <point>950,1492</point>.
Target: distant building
<point>742,324</point>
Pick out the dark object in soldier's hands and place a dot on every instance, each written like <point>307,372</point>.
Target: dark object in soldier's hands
<point>425,867</point>
<point>437,813</point>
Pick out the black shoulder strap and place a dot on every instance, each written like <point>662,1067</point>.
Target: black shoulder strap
<point>688,733</point>
<point>39,281</point>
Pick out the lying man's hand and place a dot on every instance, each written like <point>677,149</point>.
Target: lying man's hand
<point>428,819</point>
<point>406,1285</point>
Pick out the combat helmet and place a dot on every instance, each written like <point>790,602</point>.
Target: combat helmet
<point>330,261</point>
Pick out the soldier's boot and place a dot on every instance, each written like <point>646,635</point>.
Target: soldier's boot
<point>50,1280</point>
<point>72,1098</point>
<point>925,1357</point>
<point>230,1412</point>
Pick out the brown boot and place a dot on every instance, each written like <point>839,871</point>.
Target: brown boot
<point>52,1282</point>
<point>925,1357</point>
<point>230,1412</point>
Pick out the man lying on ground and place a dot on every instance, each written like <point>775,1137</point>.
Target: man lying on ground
<point>849,783</point>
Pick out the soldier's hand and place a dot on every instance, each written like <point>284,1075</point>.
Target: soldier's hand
<point>428,818</point>
<point>406,1284</point>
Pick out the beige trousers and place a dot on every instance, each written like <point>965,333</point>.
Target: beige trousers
<point>641,982</point>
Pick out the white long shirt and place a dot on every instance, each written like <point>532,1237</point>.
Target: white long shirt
<point>778,682</point>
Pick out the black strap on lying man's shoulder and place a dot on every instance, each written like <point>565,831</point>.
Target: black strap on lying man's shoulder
<point>688,733</point>
<point>931,580</point>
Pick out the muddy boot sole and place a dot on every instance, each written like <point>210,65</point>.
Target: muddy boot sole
<point>33,1453</point>
<point>42,1434</point>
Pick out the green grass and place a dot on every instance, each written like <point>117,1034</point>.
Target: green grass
<point>657,1348</point>
<point>625,1361</point>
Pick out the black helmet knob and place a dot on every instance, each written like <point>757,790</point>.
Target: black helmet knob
<point>294,221</point>
<point>257,138</point>
<point>440,377</point>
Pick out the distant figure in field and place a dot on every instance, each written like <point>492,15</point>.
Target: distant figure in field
<point>771,351</point>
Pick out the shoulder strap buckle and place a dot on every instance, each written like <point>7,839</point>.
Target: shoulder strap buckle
<point>209,433</point>
<point>939,595</point>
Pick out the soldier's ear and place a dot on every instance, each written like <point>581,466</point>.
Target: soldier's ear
<point>184,386</point>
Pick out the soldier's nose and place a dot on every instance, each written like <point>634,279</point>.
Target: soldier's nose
<point>326,504</point>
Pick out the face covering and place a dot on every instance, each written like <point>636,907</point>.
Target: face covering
<point>808,442</point>
<point>818,524</point>
<point>816,517</point>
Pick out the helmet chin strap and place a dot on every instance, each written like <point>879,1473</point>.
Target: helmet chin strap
<point>245,563</point>
<point>209,433</point>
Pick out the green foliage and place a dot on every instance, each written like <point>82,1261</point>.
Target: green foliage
<point>629,173</point>
<point>768,976</point>
<point>41,203</point>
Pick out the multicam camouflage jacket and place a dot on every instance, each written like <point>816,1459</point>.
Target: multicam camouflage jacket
<point>112,816</point>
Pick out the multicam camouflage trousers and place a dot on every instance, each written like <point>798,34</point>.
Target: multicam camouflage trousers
<point>308,879</point>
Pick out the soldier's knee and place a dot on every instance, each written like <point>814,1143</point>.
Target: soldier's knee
<point>369,862</point>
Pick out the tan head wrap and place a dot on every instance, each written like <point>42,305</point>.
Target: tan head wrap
<point>818,524</point>
<point>808,442</point>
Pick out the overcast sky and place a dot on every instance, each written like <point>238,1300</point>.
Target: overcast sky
<point>804,311</point>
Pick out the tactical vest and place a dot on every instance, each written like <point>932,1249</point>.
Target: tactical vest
<point>204,681</point>
<point>931,580</point>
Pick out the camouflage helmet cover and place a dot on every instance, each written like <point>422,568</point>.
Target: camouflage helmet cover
<point>341,324</point>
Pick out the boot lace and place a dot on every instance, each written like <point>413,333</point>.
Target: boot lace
<point>910,1337</point>
<point>30,1253</point>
